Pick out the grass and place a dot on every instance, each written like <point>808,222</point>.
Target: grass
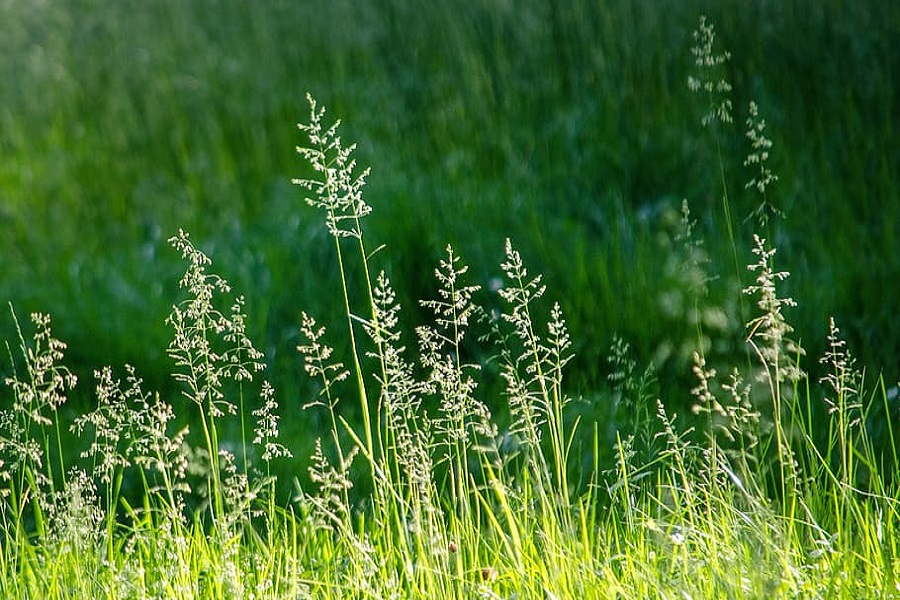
<point>570,131</point>
<point>747,502</point>
<point>449,460</point>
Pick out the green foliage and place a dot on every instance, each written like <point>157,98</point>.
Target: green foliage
<point>455,508</point>
<point>571,131</point>
<point>462,466</point>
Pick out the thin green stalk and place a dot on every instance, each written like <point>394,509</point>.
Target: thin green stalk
<point>357,368</point>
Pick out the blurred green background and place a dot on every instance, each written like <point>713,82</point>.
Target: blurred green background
<point>566,126</point>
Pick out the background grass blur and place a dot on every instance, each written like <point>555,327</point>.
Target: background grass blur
<point>566,126</point>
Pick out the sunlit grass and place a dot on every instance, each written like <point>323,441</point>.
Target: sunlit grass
<point>452,459</point>
<point>748,505</point>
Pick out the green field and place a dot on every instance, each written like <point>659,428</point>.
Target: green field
<point>571,131</point>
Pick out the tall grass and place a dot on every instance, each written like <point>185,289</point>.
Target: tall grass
<point>427,493</point>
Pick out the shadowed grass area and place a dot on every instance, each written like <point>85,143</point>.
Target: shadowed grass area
<point>568,128</point>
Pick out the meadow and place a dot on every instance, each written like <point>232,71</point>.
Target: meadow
<point>713,438</point>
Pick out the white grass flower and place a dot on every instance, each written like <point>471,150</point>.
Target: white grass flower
<point>521,370</point>
<point>455,308</point>
<point>707,400</point>
<point>401,397</point>
<point>559,344</point>
<point>622,368</point>
<point>761,147</point>
<point>460,413</point>
<point>317,362</point>
<point>520,293</point>
<point>267,425</point>
<point>165,454</point>
<point>330,507</point>
<point>678,444</point>
<point>47,382</point>
<point>844,379</point>
<point>113,423</point>
<point>339,191</point>
<point>25,431</point>
<point>383,329</point>
<point>208,347</point>
<point>238,494</point>
<point>708,78</point>
<point>769,332</point>
<point>75,515</point>
<point>743,418</point>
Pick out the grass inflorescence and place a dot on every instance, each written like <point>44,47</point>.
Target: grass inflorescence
<point>777,486</point>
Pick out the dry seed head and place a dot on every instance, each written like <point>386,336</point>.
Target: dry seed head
<point>761,147</point>
<point>771,329</point>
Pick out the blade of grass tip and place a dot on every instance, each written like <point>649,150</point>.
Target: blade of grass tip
<point>570,441</point>
<point>586,516</point>
<point>888,420</point>
<point>375,251</point>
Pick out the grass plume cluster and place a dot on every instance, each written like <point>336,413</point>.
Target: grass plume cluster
<point>415,488</point>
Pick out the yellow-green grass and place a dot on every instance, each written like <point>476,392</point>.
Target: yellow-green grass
<point>776,487</point>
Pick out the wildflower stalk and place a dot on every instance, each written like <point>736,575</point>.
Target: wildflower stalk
<point>462,418</point>
<point>708,80</point>
<point>761,147</point>
<point>38,467</point>
<point>534,378</point>
<point>844,383</point>
<point>317,356</point>
<point>209,348</point>
<point>338,192</point>
<point>778,356</point>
